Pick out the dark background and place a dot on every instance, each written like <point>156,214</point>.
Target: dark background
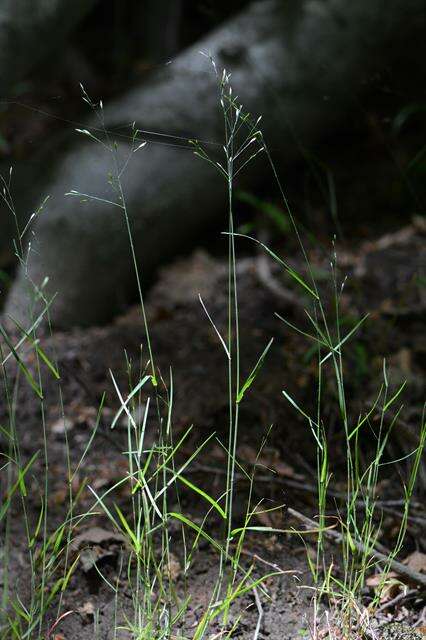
<point>373,169</point>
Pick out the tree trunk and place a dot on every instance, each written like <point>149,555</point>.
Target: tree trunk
<point>300,64</point>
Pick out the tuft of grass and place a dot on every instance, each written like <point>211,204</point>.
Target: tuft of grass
<point>25,606</point>
<point>152,472</point>
<point>360,527</point>
<point>161,541</point>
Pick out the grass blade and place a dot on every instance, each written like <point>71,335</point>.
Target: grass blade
<point>251,378</point>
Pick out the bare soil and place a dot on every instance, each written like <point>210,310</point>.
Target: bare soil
<point>385,277</point>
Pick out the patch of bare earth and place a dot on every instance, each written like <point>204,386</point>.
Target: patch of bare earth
<point>386,278</point>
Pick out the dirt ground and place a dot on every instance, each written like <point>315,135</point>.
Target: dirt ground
<point>385,278</point>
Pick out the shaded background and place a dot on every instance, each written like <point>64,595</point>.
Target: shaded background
<point>363,182</point>
<point>370,174</point>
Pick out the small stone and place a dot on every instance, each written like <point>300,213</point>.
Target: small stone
<point>61,426</point>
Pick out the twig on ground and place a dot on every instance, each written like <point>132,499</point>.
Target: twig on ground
<point>398,514</point>
<point>254,556</point>
<point>311,488</point>
<point>401,597</point>
<point>403,570</point>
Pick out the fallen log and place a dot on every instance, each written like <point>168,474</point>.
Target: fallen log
<point>299,64</point>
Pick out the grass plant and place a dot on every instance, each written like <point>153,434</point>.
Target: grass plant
<point>160,541</point>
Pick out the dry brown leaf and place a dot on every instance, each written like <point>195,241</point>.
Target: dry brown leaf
<point>377,578</point>
<point>416,561</point>
<point>390,588</point>
<point>96,535</point>
<point>91,557</point>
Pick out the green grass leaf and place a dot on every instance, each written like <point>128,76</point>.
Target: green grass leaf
<point>39,350</point>
<point>19,483</point>
<point>21,365</point>
<point>251,378</point>
<point>195,527</point>
<point>203,494</point>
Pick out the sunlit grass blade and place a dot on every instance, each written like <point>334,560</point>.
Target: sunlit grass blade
<point>131,395</point>
<point>42,354</point>
<point>361,421</point>
<point>251,378</point>
<point>348,335</point>
<point>296,406</point>
<point>192,525</point>
<point>291,272</point>
<point>92,436</point>
<point>222,341</point>
<point>20,483</point>
<point>183,467</point>
<point>33,327</point>
<point>390,402</point>
<point>22,366</point>
<point>127,529</point>
<point>301,332</point>
<point>203,494</point>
